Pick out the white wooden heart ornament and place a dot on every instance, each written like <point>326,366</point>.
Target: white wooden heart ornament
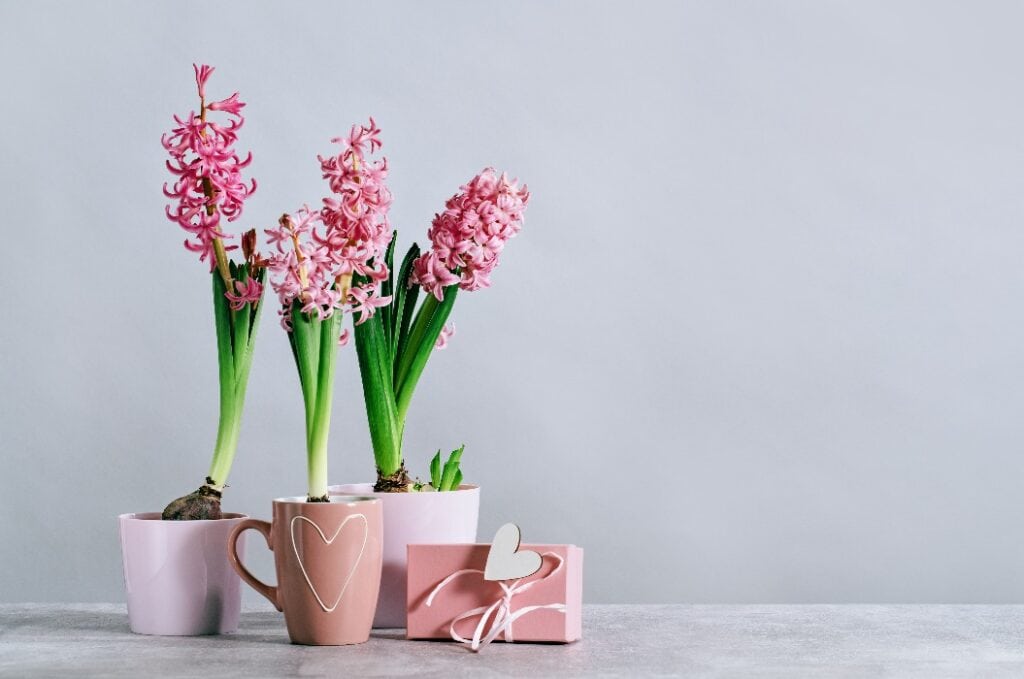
<point>355,564</point>
<point>505,561</point>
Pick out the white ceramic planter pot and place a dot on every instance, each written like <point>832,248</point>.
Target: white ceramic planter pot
<point>415,518</point>
<point>177,575</point>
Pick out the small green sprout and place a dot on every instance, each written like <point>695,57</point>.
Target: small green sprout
<point>450,477</point>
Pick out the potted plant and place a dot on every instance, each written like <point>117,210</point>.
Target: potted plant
<point>177,575</point>
<point>328,549</point>
<point>394,346</point>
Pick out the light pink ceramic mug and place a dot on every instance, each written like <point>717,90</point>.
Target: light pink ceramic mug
<point>177,578</point>
<point>327,556</point>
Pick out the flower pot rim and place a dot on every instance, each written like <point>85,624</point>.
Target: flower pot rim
<point>335,492</point>
<point>156,517</point>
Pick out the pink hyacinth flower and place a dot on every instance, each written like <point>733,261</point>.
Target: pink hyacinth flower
<point>248,292</point>
<point>468,237</point>
<point>447,332</point>
<point>203,74</point>
<point>208,186</point>
<point>317,253</point>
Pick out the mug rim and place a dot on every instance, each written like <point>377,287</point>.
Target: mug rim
<point>332,500</point>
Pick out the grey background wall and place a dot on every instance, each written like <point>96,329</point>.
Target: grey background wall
<point>759,340</point>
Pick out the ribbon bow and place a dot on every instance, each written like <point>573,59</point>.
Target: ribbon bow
<point>501,610</point>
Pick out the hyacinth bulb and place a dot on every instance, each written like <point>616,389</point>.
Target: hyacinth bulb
<point>203,503</point>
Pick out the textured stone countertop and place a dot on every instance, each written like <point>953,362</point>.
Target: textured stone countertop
<point>930,642</point>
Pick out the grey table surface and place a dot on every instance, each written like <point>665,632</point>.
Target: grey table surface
<point>927,641</point>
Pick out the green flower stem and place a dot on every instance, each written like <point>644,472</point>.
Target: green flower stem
<point>227,442</point>
<point>305,340</point>
<point>315,347</point>
<point>404,303</point>
<point>236,336</point>
<point>430,320</point>
<point>329,331</point>
<point>372,349</point>
<point>390,367</point>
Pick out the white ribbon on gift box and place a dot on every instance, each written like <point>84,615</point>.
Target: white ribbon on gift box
<point>500,609</point>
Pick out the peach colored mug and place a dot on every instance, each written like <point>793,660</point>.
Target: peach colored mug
<point>328,561</point>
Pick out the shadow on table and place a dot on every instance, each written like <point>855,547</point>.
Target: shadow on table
<point>275,635</point>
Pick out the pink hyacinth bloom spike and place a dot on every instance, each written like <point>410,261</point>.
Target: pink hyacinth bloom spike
<point>317,253</point>
<point>208,186</point>
<point>468,237</point>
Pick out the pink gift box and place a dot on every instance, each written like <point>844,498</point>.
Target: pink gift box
<point>559,581</point>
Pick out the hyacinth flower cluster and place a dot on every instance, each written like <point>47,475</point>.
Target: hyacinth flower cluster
<point>209,192</point>
<point>467,240</point>
<point>325,263</point>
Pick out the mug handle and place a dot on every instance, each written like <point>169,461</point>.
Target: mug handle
<point>263,588</point>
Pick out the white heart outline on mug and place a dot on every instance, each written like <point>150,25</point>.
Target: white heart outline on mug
<point>295,548</point>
